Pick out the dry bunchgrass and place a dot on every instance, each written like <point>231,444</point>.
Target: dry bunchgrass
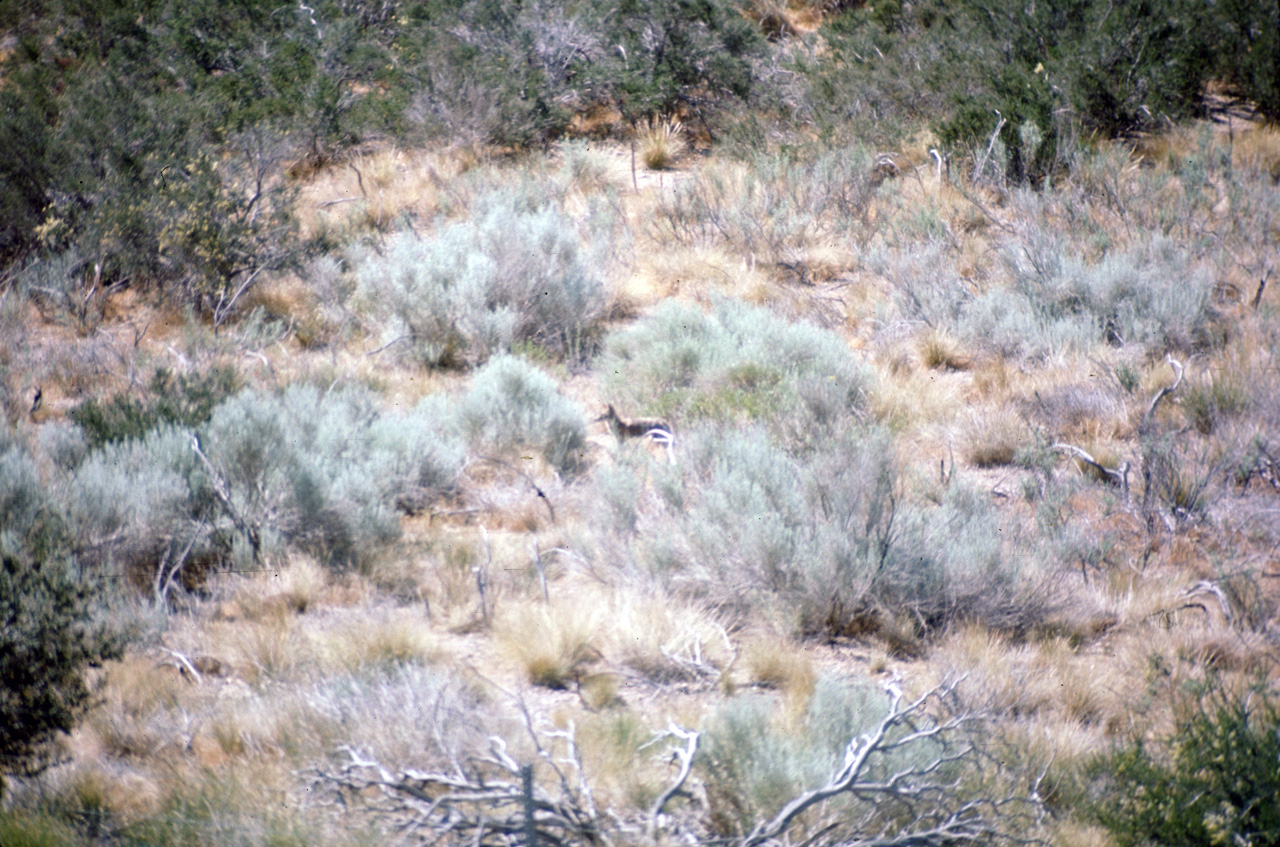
<point>667,640</point>
<point>905,398</point>
<point>661,143</point>
<point>940,351</point>
<point>993,436</point>
<point>769,660</point>
<point>140,706</point>
<point>555,645</point>
<point>374,190</point>
<point>696,273</point>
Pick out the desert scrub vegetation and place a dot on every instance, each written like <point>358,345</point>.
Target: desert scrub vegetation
<point>773,208</point>
<point>513,404</point>
<point>381,258</point>
<point>318,471</point>
<point>735,363</point>
<point>1203,780</point>
<point>828,541</point>
<point>517,273</point>
<point>1153,295</point>
<point>52,627</point>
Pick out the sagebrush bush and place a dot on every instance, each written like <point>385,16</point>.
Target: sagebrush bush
<point>512,404</point>
<point>753,760</point>
<point>1152,295</point>
<point>735,363</point>
<point>826,540</point>
<point>320,470</point>
<point>516,273</point>
<point>130,501</point>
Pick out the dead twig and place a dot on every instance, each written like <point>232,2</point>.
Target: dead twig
<point>1163,392</point>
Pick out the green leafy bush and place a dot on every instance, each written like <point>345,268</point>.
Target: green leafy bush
<point>185,400</point>
<point>516,273</point>
<point>1212,780</point>
<point>512,404</point>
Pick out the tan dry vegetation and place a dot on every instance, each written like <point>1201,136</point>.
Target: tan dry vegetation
<point>298,661</point>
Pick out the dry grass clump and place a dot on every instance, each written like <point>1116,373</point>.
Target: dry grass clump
<point>661,142</point>
<point>776,662</point>
<point>906,399</point>
<point>554,645</point>
<point>940,351</point>
<point>382,638</point>
<point>699,273</point>
<point>668,640</point>
<point>375,190</point>
<point>993,436</point>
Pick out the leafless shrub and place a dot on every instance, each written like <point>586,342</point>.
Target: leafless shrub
<point>907,778</point>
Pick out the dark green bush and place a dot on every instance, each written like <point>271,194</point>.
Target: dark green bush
<point>185,400</point>
<point>1213,780</point>
<point>1045,73</point>
<point>48,631</point>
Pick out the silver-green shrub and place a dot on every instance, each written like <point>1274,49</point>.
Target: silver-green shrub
<point>737,362</point>
<point>321,470</point>
<point>129,501</point>
<point>823,539</point>
<point>514,273</point>
<point>752,763</point>
<point>1153,295</point>
<point>511,404</point>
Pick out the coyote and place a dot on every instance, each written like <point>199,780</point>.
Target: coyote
<point>638,428</point>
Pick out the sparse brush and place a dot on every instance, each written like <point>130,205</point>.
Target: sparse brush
<point>772,208</point>
<point>993,438</point>
<point>661,142</point>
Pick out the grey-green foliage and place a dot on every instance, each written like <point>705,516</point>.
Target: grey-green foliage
<point>821,538</point>
<point>737,362</point>
<point>320,470</point>
<point>752,764</point>
<point>1152,294</point>
<point>512,404</point>
<point>128,501</point>
<point>517,272</point>
<point>316,470</point>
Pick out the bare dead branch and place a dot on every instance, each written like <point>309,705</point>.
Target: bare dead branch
<point>1163,392</point>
